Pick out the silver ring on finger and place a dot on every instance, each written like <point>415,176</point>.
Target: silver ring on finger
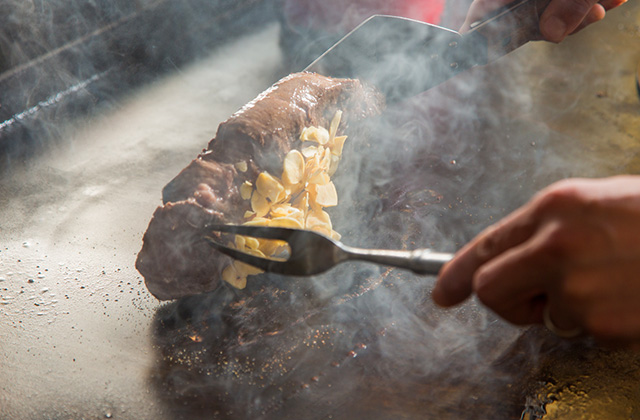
<point>546,317</point>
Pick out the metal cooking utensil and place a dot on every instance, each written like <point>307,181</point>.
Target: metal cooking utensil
<point>403,57</point>
<point>313,253</point>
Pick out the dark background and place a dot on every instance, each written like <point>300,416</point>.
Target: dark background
<point>64,58</point>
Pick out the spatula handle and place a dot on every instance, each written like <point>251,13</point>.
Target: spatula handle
<point>511,26</point>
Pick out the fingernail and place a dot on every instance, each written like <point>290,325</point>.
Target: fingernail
<point>554,29</point>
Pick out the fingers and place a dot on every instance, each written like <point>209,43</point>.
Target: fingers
<point>521,281</point>
<point>514,284</point>
<point>560,19</point>
<point>563,17</point>
<point>612,4</point>
<point>599,296</point>
<point>606,298</point>
<point>455,281</point>
<point>573,248</point>
<point>598,12</point>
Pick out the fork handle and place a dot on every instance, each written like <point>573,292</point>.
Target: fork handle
<point>420,261</point>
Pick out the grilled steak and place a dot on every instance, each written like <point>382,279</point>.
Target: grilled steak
<point>174,260</point>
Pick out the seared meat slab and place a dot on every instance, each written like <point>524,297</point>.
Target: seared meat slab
<point>174,260</point>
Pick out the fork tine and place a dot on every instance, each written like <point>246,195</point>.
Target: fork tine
<point>259,262</point>
<point>255,231</point>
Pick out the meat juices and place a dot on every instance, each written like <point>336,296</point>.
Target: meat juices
<point>174,260</point>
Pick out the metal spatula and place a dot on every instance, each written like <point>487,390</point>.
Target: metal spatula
<point>404,57</point>
<point>313,253</point>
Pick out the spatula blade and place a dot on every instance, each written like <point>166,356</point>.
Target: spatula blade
<point>401,57</point>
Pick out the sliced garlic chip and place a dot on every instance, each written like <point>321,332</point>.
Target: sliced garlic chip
<point>293,168</point>
<point>325,159</point>
<point>271,246</point>
<point>285,210</point>
<point>302,202</point>
<point>322,229</point>
<point>338,145</point>
<point>318,218</point>
<point>259,204</point>
<point>282,196</point>
<point>322,135</point>
<point>307,133</point>
<point>294,190</point>
<point>308,152</point>
<point>246,189</point>
<point>321,177</point>
<point>269,187</point>
<point>258,221</point>
<point>312,167</point>
<point>287,222</point>
<point>296,200</point>
<point>316,134</point>
<point>326,195</point>
<point>333,166</point>
<point>335,122</point>
<point>251,243</point>
<point>240,242</point>
<point>230,275</point>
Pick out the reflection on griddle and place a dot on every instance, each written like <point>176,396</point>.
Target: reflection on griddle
<point>281,352</point>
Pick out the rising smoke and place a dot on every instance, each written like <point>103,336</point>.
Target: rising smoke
<point>363,342</point>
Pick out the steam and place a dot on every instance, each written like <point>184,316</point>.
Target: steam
<point>429,173</point>
<point>366,342</point>
<point>362,341</point>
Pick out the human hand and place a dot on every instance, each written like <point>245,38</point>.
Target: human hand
<point>560,18</point>
<point>574,247</point>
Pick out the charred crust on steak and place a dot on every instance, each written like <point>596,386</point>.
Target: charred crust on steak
<point>220,178</point>
<point>174,259</point>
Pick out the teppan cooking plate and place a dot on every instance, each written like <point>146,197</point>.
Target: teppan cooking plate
<point>81,337</point>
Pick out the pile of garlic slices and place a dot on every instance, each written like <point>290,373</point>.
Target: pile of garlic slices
<point>295,200</point>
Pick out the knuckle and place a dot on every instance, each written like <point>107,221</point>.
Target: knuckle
<point>557,198</point>
<point>570,242</point>
<point>559,243</point>
<point>571,226</point>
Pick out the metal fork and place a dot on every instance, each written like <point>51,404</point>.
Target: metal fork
<point>313,253</point>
